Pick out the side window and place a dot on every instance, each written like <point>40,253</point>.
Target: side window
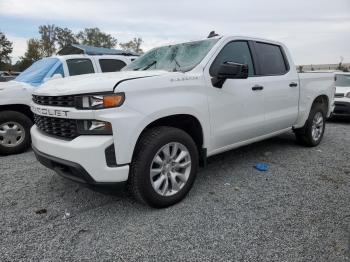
<point>111,65</point>
<point>59,70</point>
<point>238,52</point>
<point>271,59</point>
<point>80,66</point>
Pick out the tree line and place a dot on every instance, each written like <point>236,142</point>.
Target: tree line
<point>53,38</point>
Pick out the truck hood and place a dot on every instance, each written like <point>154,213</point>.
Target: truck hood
<point>13,86</point>
<point>91,83</point>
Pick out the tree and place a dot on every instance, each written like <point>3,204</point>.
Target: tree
<point>300,69</point>
<point>33,53</point>
<point>48,39</point>
<point>94,37</point>
<point>65,37</point>
<point>133,45</point>
<point>5,50</point>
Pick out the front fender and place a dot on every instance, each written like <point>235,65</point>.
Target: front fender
<point>150,99</point>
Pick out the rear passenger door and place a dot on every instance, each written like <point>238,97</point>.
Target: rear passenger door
<point>280,86</point>
<point>111,65</point>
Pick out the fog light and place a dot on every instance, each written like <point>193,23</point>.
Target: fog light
<point>94,127</point>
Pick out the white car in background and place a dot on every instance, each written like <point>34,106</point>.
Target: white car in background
<point>16,118</point>
<point>342,95</point>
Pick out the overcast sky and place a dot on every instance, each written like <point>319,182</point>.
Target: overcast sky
<point>316,31</point>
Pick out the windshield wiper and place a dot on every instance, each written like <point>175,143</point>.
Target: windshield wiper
<point>150,65</point>
<point>176,64</point>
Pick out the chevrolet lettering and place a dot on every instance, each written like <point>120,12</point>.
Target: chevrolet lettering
<point>49,112</point>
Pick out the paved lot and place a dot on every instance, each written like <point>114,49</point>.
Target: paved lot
<point>297,211</point>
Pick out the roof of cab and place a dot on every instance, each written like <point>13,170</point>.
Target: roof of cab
<point>92,50</point>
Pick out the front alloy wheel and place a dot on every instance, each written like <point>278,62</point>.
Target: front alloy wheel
<point>170,169</point>
<point>164,166</point>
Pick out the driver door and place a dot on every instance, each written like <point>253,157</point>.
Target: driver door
<point>236,109</point>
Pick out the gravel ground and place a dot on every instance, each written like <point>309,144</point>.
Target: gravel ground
<point>297,211</point>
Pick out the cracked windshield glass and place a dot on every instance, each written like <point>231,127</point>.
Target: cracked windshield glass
<point>181,57</point>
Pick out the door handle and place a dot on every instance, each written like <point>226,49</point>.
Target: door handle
<point>293,84</point>
<point>257,87</point>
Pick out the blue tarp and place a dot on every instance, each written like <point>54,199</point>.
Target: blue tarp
<point>37,72</point>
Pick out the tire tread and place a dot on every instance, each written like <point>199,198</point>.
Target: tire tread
<point>149,139</point>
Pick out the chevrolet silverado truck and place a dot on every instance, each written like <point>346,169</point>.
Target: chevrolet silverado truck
<point>153,124</point>
<point>342,95</point>
<point>16,118</point>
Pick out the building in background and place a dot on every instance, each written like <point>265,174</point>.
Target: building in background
<point>323,67</point>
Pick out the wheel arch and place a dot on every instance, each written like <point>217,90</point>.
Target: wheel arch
<point>186,122</point>
<point>21,108</point>
<point>306,107</point>
<point>323,100</point>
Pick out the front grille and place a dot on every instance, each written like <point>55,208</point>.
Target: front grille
<point>61,101</point>
<point>61,127</point>
<point>339,95</point>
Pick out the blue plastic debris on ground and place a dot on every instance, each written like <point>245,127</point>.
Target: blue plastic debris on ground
<point>262,167</point>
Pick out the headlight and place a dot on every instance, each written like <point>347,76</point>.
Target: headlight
<point>100,101</point>
<point>347,95</point>
<point>94,127</point>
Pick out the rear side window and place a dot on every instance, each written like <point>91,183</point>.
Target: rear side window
<point>238,52</point>
<point>111,65</point>
<point>271,59</point>
<point>80,66</point>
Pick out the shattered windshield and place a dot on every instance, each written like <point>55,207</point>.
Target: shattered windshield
<point>181,57</point>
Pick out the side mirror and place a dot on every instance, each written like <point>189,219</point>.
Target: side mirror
<point>55,76</point>
<point>230,70</point>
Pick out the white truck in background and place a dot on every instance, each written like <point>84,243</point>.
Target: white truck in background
<point>153,123</point>
<point>16,118</point>
<point>342,95</point>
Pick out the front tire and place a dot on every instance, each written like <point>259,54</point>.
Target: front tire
<point>14,132</point>
<point>312,132</point>
<point>164,166</point>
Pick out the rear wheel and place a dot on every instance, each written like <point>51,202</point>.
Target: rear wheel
<point>14,132</point>
<point>312,132</point>
<point>164,166</point>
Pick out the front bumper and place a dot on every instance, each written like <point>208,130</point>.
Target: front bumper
<point>341,109</point>
<point>82,159</point>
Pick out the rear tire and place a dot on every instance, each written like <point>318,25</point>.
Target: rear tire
<point>14,132</point>
<point>164,166</point>
<point>312,132</point>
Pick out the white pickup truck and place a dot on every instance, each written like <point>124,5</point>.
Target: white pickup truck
<point>152,124</point>
<point>16,118</point>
